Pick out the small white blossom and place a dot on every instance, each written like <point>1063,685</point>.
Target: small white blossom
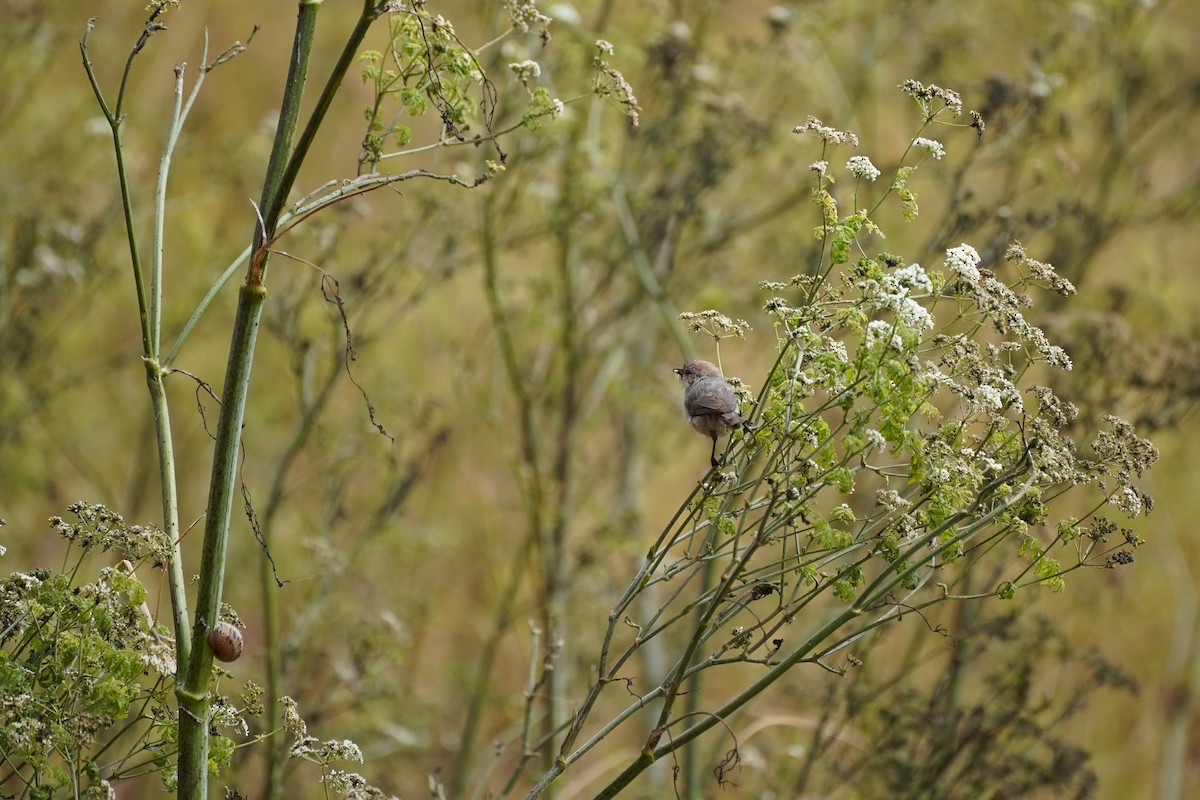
<point>887,293</point>
<point>990,398</point>
<point>892,500</point>
<point>926,95</point>
<point>913,277</point>
<point>715,324</point>
<point>885,332</point>
<point>526,70</point>
<point>963,261</point>
<point>343,750</point>
<point>862,167</point>
<point>611,83</point>
<point>230,717</point>
<point>825,133</point>
<point>524,14</point>
<point>344,783</point>
<point>875,439</point>
<point>892,291</point>
<point>837,349</point>
<point>1057,357</point>
<point>28,580</point>
<point>819,167</point>
<point>914,315</point>
<point>1129,501</point>
<point>933,146</point>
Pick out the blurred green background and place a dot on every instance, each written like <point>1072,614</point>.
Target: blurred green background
<point>411,566</point>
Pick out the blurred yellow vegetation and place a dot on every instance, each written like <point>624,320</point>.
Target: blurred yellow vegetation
<point>407,563</point>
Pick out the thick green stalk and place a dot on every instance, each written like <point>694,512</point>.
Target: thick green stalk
<point>272,207</point>
<point>275,189</point>
<point>193,694</point>
<point>282,169</point>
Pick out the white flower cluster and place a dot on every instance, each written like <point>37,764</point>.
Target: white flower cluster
<point>914,315</point>
<point>894,292</point>
<point>985,461</point>
<point>996,392</point>
<point>715,324</point>
<point>882,331</point>
<point>820,366</point>
<point>963,261</point>
<point>1040,270</point>
<point>524,14</point>
<point>861,167</point>
<point>526,71</point>
<point>1003,307</point>
<point>1128,500</point>
<point>823,132</point>
<point>230,716</point>
<point>835,348</point>
<point>892,500</point>
<point>987,389</point>
<point>926,95</point>
<point>342,750</point>
<point>933,146</point>
<point>611,83</point>
<point>912,277</point>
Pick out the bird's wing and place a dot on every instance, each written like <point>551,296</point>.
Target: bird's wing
<point>711,397</point>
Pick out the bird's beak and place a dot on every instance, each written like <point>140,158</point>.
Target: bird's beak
<point>677,371</point>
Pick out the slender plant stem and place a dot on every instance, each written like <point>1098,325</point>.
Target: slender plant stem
<point>179,115</point>
<point>155,374</point>
<point>481,682</point>
<point>149,313</point>
<point>115,117</point>
<point>170,507</point>
<point>160,204</point>
<point>211,295</point>
<point>878,589</point>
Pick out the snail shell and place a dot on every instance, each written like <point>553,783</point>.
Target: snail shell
<point>226,641</point>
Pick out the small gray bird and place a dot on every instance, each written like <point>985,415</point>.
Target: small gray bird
<point>709,401</point>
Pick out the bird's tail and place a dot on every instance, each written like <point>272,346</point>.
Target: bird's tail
<point>734,420</point>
